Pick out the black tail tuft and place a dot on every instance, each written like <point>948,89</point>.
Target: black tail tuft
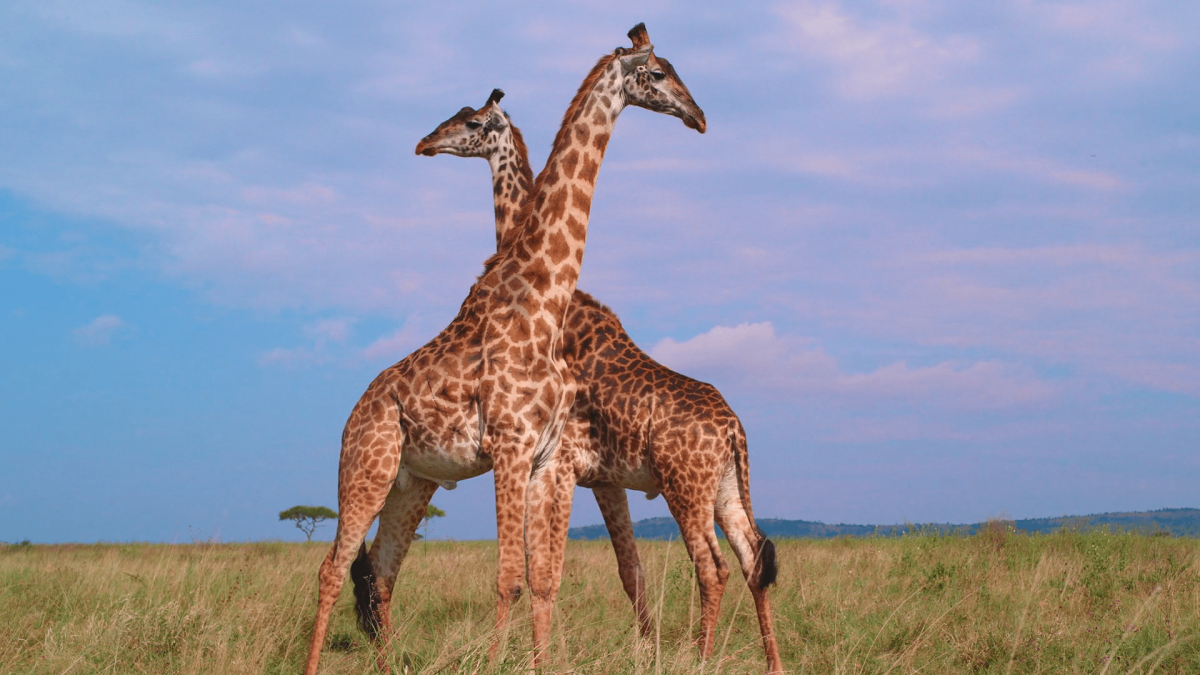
<point>366,597</point>
<point>767,569</point>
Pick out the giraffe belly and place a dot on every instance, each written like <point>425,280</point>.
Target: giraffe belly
<point>619,474</point>
<point>607,464</point>
<point>445,465</point>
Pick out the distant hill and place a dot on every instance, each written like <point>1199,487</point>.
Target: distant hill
<point>1175,522</point>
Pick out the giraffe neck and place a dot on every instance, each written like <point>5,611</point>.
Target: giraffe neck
<point>547,252</point>
<point>512,179</point>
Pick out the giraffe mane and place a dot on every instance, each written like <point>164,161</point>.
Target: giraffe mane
<point>525,215</point>
<point>587,300</point>
<point>522,151</point>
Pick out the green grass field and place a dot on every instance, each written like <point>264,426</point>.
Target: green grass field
<point>996,602</point>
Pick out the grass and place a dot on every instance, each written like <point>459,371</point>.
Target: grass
<point>996,602</point>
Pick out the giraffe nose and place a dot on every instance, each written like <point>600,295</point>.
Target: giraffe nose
<point>425,147</point>
<point>695,120</point>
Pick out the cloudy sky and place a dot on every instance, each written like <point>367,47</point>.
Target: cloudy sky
<point>943,260</point>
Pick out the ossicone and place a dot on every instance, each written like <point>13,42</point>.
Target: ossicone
<point>497,94</point>
<point>639,36</point>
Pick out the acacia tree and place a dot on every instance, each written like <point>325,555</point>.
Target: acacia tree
<point>431,512</point>
<point>308,517</point>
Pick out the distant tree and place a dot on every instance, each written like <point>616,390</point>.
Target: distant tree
<point>431,512</point>
<point>308,517</point>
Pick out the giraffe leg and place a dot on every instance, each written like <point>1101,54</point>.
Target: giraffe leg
<point>614,506</point>
<point>695,519</point>
<point>365,476</point>
<point>547,516</point>
<point>756,554</point>
<point>398,522</point>
<point>510,470</point>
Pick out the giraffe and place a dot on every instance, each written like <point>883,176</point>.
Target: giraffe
<point>635,423</point>
<point>489,134</point>
<point>492,390</point>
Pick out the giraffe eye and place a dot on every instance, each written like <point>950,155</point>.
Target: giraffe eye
<point>473,125</point>
<point>657,75</point>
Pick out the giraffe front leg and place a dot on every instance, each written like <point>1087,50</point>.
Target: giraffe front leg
<point>511,466</point>
<point>614,506</point>
<point>547,517</point>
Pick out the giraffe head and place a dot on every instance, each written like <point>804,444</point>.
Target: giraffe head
<point>651,82</point>
<point>470,133</point>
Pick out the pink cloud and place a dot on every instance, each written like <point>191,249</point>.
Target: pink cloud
<point>1117,310</point>
<point>872,61</point>
<point>754,356</point>
<point>397,344</point>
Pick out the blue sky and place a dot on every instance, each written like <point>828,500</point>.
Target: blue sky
<point>944,261</point>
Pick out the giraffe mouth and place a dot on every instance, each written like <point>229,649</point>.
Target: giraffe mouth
<point>695,121</point>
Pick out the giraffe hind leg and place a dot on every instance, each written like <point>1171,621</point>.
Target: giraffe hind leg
<point>695,519</point>
<point>756,554</point>
<point>365,477</point>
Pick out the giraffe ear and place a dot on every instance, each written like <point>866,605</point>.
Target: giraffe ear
<point>498,120</point>
<point>632,59</point>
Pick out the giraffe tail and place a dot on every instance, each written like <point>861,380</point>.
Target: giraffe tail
<point>765,569</point>
<point>366,596</point>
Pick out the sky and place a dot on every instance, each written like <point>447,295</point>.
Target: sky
<point>942,259</point>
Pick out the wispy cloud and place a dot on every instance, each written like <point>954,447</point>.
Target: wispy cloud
<point>290,357</point>
<point>323,334</point>
<point>99,332</point>
<point>1040,169</point>
<point>330,330</point>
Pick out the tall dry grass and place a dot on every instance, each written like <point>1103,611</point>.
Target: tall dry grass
<point>997,602</point>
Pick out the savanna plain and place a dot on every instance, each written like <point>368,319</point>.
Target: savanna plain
<point>995,602</point>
